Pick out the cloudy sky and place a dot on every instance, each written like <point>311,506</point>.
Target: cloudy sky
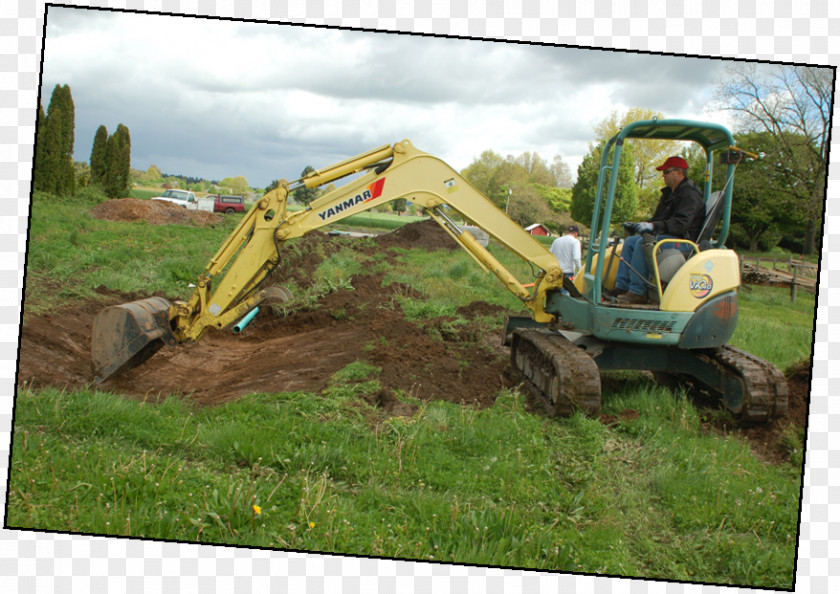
<point>214,98</point>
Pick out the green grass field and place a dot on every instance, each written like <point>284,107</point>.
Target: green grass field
<point>655,495</point>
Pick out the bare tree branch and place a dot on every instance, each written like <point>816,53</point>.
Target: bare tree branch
<point>793,104</point>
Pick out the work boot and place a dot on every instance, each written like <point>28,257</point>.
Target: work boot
<point>614,292</point>
<point>633,299</point>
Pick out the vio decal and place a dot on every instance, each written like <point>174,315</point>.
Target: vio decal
<point>372,192</point>
<point>700,285</point>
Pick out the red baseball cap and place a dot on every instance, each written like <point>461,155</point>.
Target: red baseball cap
<point>673,162</point>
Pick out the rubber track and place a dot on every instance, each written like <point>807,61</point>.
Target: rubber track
<point>561,375</point>
<point>766,394</point>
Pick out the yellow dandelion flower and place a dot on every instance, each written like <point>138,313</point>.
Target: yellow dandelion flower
<point>311,524</point>
<point>257,509</point>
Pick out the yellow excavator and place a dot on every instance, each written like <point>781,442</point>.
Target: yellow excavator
<point>573,330</point>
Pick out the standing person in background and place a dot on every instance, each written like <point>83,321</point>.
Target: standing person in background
<point>567,251</point>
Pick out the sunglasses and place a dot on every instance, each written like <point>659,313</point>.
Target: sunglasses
<point>667,171</point>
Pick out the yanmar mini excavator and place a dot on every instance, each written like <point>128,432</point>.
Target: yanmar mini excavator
<point>573,331</point>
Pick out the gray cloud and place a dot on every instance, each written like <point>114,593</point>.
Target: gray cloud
<point>213,98</point>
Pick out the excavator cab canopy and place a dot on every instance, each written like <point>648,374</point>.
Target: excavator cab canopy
<point>710,136</point>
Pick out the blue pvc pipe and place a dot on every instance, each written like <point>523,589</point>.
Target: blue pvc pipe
<point>240,326</point>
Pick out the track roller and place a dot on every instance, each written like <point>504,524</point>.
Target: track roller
<point>561,375</point>
<point>753,390</point>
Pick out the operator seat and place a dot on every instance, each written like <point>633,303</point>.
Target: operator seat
<point>714,208</point>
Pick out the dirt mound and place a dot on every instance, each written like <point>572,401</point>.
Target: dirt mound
<point>301,256</point>
<point>479,308</point>
<point>427,235</point>
<point>154,211</point>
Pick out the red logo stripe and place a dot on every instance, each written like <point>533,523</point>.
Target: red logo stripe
<point>376,189</point>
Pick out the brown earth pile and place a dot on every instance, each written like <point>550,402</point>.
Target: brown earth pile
<point>155,212</point>
<point>425,234</point>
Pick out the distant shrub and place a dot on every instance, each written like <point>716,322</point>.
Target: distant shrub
<point>88,195</point>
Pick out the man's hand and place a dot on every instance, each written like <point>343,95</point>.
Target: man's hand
<point>638,227</point>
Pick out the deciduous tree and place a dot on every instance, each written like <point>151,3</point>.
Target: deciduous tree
<point>486,175</point>
<point>524,186</point>
<point>625,202</point>
<point>535,166</point>
<point>758,206</point>
<point>648,154</point>
<point>237,185</point>
<point>400,205</point>
<point>561,172</point>
<point>793,104</point>
<point>306,195</point>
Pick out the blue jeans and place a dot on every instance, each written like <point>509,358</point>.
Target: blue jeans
<point>627,279</point>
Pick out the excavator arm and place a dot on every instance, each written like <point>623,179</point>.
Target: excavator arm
<point>230,285</point>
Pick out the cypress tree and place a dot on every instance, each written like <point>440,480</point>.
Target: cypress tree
<point>51,170</point>
<point>99,156</point>
<point>66,123</point>
<point>118,160</point>
<point>306,195</point>
<point>62,96</point>
<point>626,192</point>
<point>54,170</point>
<point>38,167</point>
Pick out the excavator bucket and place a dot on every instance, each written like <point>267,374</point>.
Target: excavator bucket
<point>126,335</point>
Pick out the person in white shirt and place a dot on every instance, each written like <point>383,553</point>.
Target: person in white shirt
<point>567,251</point>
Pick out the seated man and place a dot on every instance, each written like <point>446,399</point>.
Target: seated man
<point>680,214</point>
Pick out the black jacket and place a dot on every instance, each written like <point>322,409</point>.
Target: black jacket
<point>681,212</point>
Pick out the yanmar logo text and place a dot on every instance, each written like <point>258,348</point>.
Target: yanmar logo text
<point>372,192</point>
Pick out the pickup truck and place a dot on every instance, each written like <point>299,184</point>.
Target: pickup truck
<point>228,204</point>
<point>179,197</point>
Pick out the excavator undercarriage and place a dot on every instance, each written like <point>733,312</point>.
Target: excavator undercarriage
<point>563,372</point>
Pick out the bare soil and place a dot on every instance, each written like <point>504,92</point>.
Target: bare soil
<point>462,363</point>
<point>156,212</point>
